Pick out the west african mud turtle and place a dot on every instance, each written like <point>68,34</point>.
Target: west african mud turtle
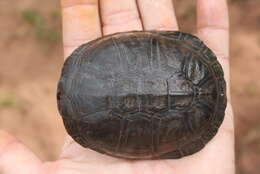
<point>142,94</point>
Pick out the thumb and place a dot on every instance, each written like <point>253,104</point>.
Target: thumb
<point>16,157</point>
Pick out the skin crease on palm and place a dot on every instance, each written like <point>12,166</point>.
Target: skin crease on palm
<point>84,20</point>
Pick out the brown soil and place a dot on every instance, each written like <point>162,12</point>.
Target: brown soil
<point>30,65</point>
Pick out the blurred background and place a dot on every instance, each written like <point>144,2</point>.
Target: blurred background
<point>31,59</point>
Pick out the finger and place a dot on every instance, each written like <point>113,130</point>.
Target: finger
<point>213,25</point>
<point>15,157</point>
<point>80,23</point>
<point>213,29</point>
<point>119,15</point>
<point>158,14</point>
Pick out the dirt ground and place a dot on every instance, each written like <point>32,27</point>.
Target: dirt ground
<point>31,60</point>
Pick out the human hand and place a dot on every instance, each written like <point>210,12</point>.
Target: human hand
<point>85,20</point>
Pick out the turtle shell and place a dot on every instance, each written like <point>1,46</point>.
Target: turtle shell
<point>143,94</point>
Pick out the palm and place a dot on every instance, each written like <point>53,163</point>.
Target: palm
<point>212,159</point>
<point>81,23</point>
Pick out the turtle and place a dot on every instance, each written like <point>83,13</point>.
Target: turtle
<point>142,95</point>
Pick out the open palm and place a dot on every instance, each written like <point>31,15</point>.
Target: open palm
<point>84,20</point>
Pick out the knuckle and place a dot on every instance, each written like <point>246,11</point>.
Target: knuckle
<point>121,17</point>
<point>163,26</point>
<point>72,3</point>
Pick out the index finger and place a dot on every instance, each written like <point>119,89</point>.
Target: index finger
<point>81,23</point>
